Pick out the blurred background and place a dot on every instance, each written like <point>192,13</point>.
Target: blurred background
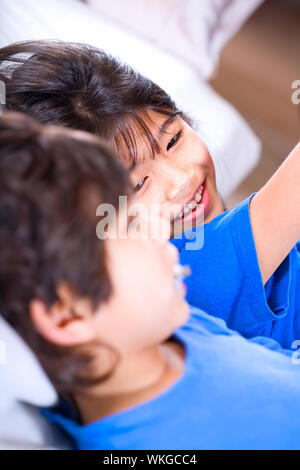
<point>255,73</point>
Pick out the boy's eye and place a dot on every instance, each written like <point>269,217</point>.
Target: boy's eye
<point>140,184</point>
<point>174,140</point>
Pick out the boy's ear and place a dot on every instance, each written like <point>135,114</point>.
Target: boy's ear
<point>67,322</point>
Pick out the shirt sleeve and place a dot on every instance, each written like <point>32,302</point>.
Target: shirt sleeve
<point>200,320</point>
<point>226,281</point>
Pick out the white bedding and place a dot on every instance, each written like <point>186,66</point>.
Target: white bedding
<point>192,30</point>
<point>23,427</point>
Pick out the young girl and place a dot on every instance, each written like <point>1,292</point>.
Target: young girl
<point>136,368</point>
<point>249,261</point>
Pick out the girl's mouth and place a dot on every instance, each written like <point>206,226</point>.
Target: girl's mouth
<point>197,207</point>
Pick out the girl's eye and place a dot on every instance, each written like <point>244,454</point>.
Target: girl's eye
<point>174,140</point>
<point>140,184</point>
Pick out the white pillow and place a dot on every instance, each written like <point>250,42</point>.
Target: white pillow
<point>192,30</point>
<point>21,375</point>
<point>22,426</point>
<point>24,388</point>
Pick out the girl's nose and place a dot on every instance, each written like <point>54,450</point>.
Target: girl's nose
<point>177,180</point>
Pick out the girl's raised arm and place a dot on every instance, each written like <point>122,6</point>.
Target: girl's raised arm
<point>275,215</point>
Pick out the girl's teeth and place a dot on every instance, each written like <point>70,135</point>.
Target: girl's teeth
<point>198,196</point>
<point>192,205</point>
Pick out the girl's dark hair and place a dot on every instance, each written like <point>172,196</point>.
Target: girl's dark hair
<point>49,180</point>
<point>82,87</point>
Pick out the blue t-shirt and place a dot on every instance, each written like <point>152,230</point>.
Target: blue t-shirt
<point>226,281</point>
<point>234,394</point>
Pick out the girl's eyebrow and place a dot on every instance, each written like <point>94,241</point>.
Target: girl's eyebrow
<point>166,124</point>
<point>135,163</point>
<point>162,130</point>
<point>132,166</point>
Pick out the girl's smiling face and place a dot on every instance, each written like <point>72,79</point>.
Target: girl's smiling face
<point>180,178</point>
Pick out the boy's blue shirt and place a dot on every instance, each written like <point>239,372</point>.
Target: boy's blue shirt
<point>226,281</point>
<point>234,394</point>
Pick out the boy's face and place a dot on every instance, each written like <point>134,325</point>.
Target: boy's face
<point>147,303</point>
<point>144,308</point>
<point>181,176</point>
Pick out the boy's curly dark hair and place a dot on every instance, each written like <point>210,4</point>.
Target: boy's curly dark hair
<point>49,178</point>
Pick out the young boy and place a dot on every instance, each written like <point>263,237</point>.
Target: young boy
<point>136,368</point>
<point>247,272</point>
